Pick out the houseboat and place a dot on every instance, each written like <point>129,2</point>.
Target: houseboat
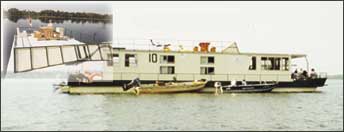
<point>171,62</point>
<point>164,61</point>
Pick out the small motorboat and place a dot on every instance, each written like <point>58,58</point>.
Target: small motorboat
<point>165,87</point>
<point>249,88</point>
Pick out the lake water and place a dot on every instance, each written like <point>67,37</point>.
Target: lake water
<point>32,104</point>
<point>83,30</point>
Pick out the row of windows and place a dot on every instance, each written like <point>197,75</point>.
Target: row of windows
<point>171,70</point>
<point>130,60</point>
<point>270,63</point>
<point>267,63</point>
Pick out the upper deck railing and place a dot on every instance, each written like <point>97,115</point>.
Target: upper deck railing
<point>175,45</point>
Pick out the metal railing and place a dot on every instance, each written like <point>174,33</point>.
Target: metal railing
<point>322,75</point>
<point>187,45</point>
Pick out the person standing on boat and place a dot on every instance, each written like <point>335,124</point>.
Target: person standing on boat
<point>30,21</point>
<point>50,24</point>
<point>218,85</point>
<point>313,74</point>
<point>244,82</point>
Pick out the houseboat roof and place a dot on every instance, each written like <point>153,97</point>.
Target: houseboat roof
<point>219,48</point>
<point>293,56</point>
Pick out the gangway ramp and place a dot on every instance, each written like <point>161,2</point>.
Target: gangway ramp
<point>37,57</point>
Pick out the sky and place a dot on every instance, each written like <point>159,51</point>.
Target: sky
<point>311,28</point>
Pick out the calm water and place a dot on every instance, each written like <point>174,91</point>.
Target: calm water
<point>31,104</point>
<point>84,31</point>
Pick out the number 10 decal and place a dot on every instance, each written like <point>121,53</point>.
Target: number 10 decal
<point>153,58</point>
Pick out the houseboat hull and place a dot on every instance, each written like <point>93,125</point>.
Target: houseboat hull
<point>115,86</point>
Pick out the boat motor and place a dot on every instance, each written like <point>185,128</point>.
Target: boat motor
<point>133,83</point>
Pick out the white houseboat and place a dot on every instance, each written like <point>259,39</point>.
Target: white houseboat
<point>164,61</point>
<point>171,62</point>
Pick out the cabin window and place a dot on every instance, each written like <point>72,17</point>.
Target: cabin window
<point>130,60</point>
<point>285,64</point>
<point>270,63</point>
<point>253,64</point>
<point>277,65</point>
<point>264,64</point>
<point>207,70</point>
<point>166,69</point>
<point>114,60</point>
<point>165,59</point>
<point>207,59</point>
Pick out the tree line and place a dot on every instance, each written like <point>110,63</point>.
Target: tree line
<point>14,12</point>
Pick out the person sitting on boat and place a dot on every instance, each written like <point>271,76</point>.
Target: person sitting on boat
<point>233,83</point>
<point>305,74</point>
<point>313,74</point>
<point>294,75</point>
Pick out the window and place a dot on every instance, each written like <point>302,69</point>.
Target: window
<point>207,70</point>
<point>130,60</point>
<point>166,69</point>
<point>207,59</point>
<point>114,60</point>
<point>253,64</point>
<point>277,65</point>
<point>285,64</point>
<point>164,59</point>
<point>270,63</point>
<point>264,63</point>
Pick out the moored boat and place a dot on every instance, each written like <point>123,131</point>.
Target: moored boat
<point>251,88</point>
<point>164,87</point>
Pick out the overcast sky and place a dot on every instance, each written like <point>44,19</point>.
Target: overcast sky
<point>312,28</point>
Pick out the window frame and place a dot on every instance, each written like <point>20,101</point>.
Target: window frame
<point>127,60</point>
<point>253,65</point>
<point>164,59</point>
<point>207,58</point>
<point>168,69</point>
<point>207,70</point>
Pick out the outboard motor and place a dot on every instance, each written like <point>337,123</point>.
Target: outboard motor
<point>134,83</point>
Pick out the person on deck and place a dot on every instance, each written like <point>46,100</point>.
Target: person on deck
<point>305,74</point>
<point>50,24</point>
<point>294,75</point>
<point>313,74</point>
<point>217,85</point>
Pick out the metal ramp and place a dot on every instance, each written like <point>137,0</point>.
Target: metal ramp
<point>31,58</point>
